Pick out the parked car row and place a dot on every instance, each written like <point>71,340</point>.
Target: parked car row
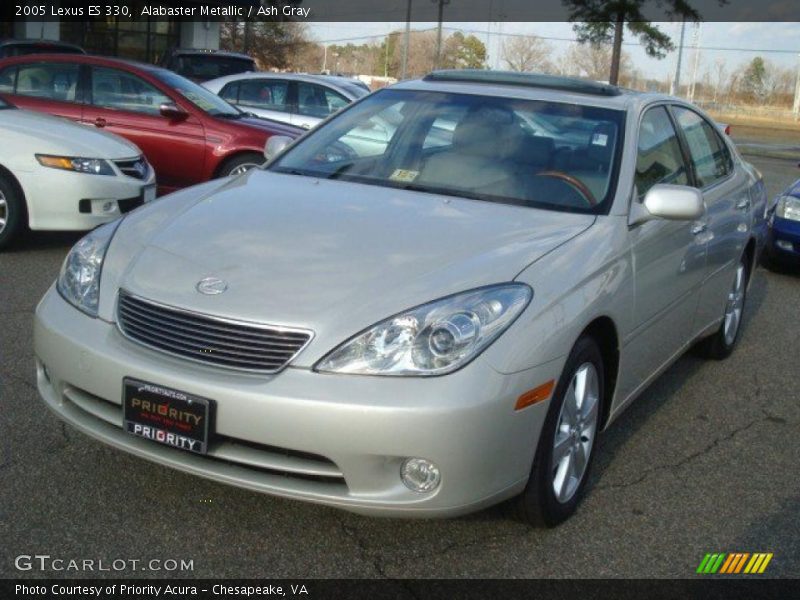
<point>433,301</point>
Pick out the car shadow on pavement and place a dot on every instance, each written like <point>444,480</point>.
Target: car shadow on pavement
<point>44,240</point>
<point>664,389</point>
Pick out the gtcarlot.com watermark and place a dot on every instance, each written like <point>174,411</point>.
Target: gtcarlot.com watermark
<point>46,563</point>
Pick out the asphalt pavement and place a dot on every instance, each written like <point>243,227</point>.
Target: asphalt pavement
<point>705,461</point>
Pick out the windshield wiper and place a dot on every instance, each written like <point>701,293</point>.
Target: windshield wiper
<point>233,116</point>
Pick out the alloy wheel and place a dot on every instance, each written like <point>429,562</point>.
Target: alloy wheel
<point>243,168</point>
<point>733,309</point>
<point>575,432</point>
<point>3,211</point>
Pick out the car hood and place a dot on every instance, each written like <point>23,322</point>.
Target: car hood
<point>331,256</point>
<point>56,135</point>
<point>271,126</point>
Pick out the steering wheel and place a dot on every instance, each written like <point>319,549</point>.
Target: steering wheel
<point>572,181</point>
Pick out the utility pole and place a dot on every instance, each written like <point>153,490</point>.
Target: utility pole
<point>677,81</point>
<point>406,42</point>
<point>439,32</point>
<point>696,44</point>
<point>796,107</point>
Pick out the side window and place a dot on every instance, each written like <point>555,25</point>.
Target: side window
<point>335,101</point>
<point>53,81</point>
<point>315,101</point>
<point>269,94</point>
<point>710,156</point>
<point>8,77</point>
<point>230,92</point>
<point>122,91</point>
<point>659,158</point>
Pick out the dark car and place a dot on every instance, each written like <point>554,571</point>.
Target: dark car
<point>783,240</point>
<point>205,65</point>
<point>12,47</point>
<point>186,132</point>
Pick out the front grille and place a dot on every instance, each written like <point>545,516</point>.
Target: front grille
<point>207,339</point>
<point>136,168</point>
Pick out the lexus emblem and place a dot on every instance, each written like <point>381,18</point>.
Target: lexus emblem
<point>211,286</point>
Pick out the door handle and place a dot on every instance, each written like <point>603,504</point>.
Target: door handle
<point>743,204</point>
<point>99,122</point>
<point>699,227</point>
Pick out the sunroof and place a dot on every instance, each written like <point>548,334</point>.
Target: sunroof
<point>566,84</point>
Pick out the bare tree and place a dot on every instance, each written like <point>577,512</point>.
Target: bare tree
<point>527,54</point>
<point>593,61</point>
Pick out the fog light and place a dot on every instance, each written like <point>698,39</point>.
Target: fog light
<point>109,207</point>
<point>784,245</point>
<point>420,475</point>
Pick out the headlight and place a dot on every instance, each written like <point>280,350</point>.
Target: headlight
<point>788,208</point>
<point>93,166</point>
<point>432,339</point>
<point>79,279</point>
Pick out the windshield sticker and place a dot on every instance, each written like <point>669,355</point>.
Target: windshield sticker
<point>600,139</point>
<point>403,175</point>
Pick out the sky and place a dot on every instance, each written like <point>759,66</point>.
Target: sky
<point>777,42</point>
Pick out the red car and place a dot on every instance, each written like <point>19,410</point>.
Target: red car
<point>187,133</point>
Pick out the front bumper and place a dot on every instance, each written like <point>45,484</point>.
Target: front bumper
<point>332,439</point>
<point>783,239</point>
<point>65,201</point>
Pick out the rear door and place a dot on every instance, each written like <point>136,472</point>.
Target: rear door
<point>124,103</point>
<point>48,87</point>
<point>315,103</point>
<point>727,199</point>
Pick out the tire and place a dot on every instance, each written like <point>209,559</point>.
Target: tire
<point>720,345</point>
<point>240,163</point>
<point>12,212</point>
<point>539,504</point>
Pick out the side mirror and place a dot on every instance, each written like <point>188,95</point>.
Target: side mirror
<point>171,111</point>
<point>275,145</point>
<point>673,202</point>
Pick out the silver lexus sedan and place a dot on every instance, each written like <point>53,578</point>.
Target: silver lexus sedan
<point>422,329</point>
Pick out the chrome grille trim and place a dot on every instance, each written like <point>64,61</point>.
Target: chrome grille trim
<point>129,167</point>
<point>208,339</point>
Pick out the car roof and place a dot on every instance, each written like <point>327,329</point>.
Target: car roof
<point>534,86</point>
<point>88,59</point>
<point>206,52</point>
<point>41,43</point>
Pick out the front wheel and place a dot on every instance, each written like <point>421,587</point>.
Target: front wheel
<point>721,344</point>
<point>12,212</point>
<point>567,441</point>
<point>240,164</point>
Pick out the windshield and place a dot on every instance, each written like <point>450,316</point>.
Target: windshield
<point>199,96</point>
<point>204,67</point>
<point>524,152</point>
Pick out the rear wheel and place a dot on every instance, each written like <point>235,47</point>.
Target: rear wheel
<point>241,163</point>
<point>721,344</point>
<point>567,441</point>
<point>12,212</point>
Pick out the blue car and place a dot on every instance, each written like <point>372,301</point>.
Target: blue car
<point>783,241</point>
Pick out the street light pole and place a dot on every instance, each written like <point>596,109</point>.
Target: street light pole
<point>677,81</point>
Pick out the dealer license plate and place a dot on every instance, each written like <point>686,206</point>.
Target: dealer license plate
<point>166,416</point>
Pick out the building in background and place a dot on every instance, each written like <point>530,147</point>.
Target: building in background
<point>144,40</point>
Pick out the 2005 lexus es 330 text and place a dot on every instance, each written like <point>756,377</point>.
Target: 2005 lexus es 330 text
<point>420,326</point>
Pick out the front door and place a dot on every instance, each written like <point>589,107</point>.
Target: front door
<point>668,258</point>
<point>125,104</point>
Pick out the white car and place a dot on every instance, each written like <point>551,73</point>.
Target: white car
<point>57,175</point>
<point>302,100</point>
